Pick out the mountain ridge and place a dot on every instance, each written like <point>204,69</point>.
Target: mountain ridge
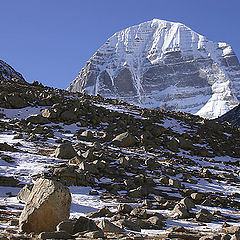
<point>158,63</point>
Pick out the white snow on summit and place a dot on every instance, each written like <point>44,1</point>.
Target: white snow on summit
<point>167,65</point>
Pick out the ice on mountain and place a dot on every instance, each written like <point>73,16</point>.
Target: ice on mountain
<point>167,65</point>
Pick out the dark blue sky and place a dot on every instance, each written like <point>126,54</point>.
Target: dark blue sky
<point>50,40</point>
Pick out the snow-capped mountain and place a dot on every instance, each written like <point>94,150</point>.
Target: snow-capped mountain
<point>167,65</point>
<point>7,72</point>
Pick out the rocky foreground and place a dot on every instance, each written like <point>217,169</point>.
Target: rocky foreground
<point>157,174</point>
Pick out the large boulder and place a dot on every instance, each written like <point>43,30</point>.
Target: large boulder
<point>124,140</point>
<point>47,205</point>
<point>65,151</point>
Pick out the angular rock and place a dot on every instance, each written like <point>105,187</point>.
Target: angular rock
<point>47,205</point>
<point>181,211</point>
<point>197,197</point>
<point>65,151</point>
<point>103,212</point>
<point>55,235</point>
<point>16,101</point>
<point>84,224</point>
<point>124,140</point>
<point>66,226</point>
<point>107,226</point>
<point>124,208</point>
<point>156,222</point>
<point>204,215</point>
<point>128,224</point>
<point>95,234</point>
<point>188,203</point>
<point>6,147</point>
<point>9,181</point>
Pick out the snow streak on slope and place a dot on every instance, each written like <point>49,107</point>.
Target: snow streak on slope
<point>167,65</point>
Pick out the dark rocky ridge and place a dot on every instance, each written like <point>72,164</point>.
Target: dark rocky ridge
<point>8,73</point>
<point>233,116</point>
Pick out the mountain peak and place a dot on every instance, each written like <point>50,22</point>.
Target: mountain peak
<point>163,64</point>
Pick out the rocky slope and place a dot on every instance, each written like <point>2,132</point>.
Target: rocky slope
<point>161,64</point>
<point>8,73</point>
<point>134,173</point>
<point>233,116</point>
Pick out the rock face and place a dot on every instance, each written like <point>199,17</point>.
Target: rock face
<point>47,205</point>
<point>166,65</point>
<point>233,116</point>
<point>7,72</point>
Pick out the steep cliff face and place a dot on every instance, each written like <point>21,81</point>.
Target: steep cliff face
<point>161,64</point>
<point>8,73</point>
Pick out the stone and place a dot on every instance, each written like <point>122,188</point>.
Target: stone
<point>95,234</point>
<point>156,222</point>
<point>124,140</point>
<point>177,229</point>
<point>181,211</point>
<point>88,135</point>
<point>211,237</point>
<point>65,151</point>
<point>6,147</point>
<point>173,145</point>
<point>9,181</point>
<point>103,212</point>
<point>66,226</point>
<point>47,205</point>
<point>88,155</point>
<point>49,114</point>
<point>232,229</point>
<point>90,167</point>
<point>24,193</point>
<point>139,212</point>
<point>124,208</point>
<point>128,224</point>
<point>84,224</point>
<point>16,101</point>
<point>185,144</point>
<point>37,119</point>
<point>55,235</point>
<point>188,203</point>
<point>68,115</point>
<point>198,197</point>
<point>107,226</point>
<point>175,183</point>
<point>204,215</point>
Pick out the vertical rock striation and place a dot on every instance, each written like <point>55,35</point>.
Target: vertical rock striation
<point>161,64</point>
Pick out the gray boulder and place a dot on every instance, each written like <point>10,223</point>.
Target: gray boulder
<point>107,226</point>
<point>47,205</point>
<point>65,151</point>
<point>124,140</point>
